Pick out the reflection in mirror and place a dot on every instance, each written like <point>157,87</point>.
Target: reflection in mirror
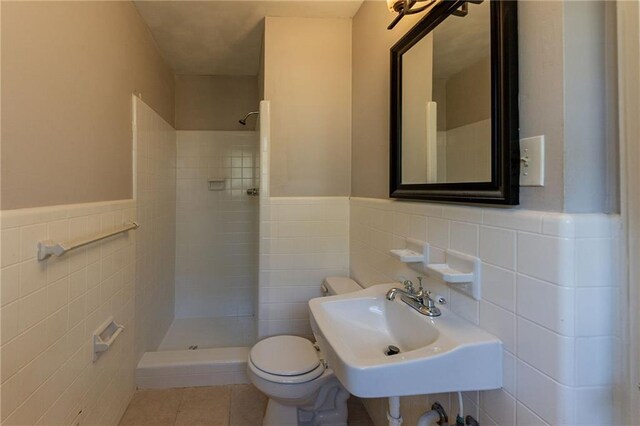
<point>446,102</point>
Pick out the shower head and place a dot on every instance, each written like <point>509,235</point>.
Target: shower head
<point>244,120</point>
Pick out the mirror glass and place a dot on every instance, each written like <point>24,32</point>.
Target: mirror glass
<point>446,102</point>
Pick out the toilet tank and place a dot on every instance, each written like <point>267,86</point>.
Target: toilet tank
<point>339,285</point>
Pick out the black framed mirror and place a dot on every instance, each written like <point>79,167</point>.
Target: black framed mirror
<point>454,105</point>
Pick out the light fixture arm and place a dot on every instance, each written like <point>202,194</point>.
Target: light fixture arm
<point>412,10</point>
<point>406,7</point>
<point>396,20</point>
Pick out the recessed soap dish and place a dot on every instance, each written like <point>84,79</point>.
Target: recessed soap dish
<point>217,184</point>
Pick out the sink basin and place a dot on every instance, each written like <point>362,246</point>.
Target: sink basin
<point>442,354</point>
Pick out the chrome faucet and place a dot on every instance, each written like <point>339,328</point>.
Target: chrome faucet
<point>419,300</point>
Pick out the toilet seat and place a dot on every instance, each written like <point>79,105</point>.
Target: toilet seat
<point>285,359</point>
<point>288,380</point>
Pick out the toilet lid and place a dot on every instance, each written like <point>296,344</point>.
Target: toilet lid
<point>285,356</point>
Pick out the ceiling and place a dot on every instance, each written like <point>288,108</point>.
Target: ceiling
<point>225,37</point>
<point>459,42</point>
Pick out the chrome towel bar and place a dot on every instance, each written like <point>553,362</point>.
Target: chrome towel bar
<point>48,248</point>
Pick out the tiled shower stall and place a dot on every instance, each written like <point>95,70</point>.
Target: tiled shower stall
<point>216,243</point>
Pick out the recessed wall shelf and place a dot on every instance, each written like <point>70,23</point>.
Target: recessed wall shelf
<point>461,271</point>
<point>217,184</point>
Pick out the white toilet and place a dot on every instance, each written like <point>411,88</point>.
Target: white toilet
<point>290,370</point>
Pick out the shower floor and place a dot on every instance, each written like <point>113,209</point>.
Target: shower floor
<point>220,359</point>
<point>222,332</point>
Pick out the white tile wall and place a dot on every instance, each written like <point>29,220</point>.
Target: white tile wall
<point>50,309</point>
<point>302,240</point>
<point>155,190</point>
<point>549,293</point>
<point>218,332</point>
<point>217,231</point>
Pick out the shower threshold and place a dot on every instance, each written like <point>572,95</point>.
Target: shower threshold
<point>188,368</point>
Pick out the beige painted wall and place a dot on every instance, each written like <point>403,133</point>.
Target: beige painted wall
<point>307,71</point>
<point>590,175</point>
<point>215,102</point>
<point>440,97</point>
<point>468,153</point>
<point>469,95</point>
<point>541,65</point>
<point>468,125</point>
<point>370,126</point>
<point>68,71</point>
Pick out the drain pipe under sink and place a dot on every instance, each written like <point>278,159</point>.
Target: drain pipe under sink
<point>393,415</point>
<point>428,418</point>
<point>436,414</point>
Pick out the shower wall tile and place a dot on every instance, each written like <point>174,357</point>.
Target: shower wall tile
<point>302,241</point>
<point>155,188</point>
<point>549,292</point>
<point>216,239</point>
<point>51,308</point>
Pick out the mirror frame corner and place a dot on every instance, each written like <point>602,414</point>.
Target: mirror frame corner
<point>504,187</point>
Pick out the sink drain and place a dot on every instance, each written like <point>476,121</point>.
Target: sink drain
<point>391,350</point>
<point>193,347</point>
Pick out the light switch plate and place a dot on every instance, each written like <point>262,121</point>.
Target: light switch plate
<point>532,161</point>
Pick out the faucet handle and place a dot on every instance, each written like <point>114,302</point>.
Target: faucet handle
<point>427,300</point>
<point>408,286</point>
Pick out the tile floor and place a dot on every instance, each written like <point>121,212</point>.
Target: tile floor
<point>233,405</point>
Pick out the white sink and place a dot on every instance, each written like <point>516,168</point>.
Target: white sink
<point>442,354</point>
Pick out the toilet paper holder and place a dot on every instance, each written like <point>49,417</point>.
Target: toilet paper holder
<point>104,336</point>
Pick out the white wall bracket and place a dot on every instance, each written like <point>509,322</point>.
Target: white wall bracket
<point>460,271</point>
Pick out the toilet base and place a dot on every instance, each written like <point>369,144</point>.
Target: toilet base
<point>280,415</point>
<point>330,409</point>
<point>334,414</point>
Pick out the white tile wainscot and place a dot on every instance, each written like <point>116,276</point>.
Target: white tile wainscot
<point>550,293</point>
<point>302,240</point>
<point>51,308</point>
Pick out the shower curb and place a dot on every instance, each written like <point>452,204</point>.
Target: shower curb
<point>187,368</point>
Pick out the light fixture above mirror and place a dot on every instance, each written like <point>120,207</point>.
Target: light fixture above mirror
<point>407,7</point>
<point>410,7</point>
